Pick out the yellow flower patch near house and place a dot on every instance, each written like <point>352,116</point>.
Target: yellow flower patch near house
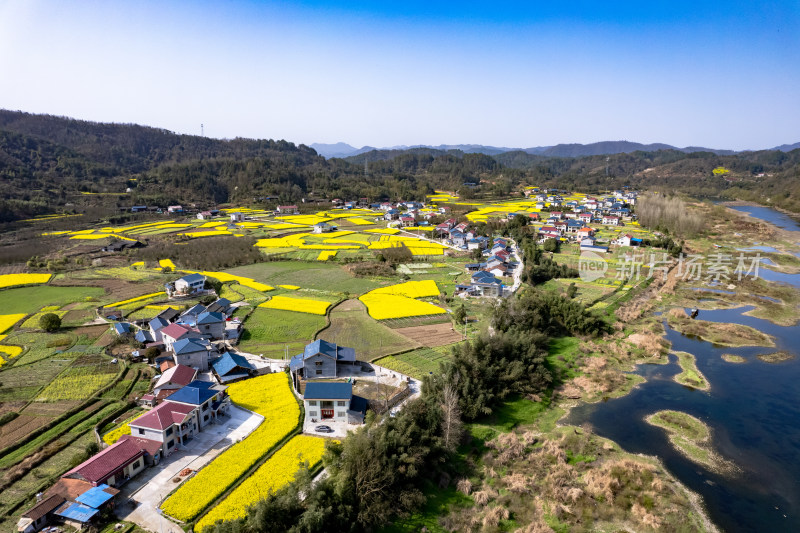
<point>385,306</point>
<point>325,255</point>
<point>277,471</point>
<point>383,231</point>
<point>11,280</point>
<point>289,287</point>
<point>166,263</point>
<point>241,280</point>
<point>300,305</point>
<point>412,289</point>
<point>269,395</point>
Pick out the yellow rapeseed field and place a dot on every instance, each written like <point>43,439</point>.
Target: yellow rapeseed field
<point>10,280</point>
<point>268,395</point>
<point>241,280</point>
<point>6,321</point>
<point>385,306</point>
<point>301,305</point>
<point>412,289</point>
<point>277,471</point>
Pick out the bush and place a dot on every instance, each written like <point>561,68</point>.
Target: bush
<point>50,322</point>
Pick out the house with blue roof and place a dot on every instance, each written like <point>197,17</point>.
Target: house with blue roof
<point>187,285</point>
<point>208,398</point>
<point>121,328</point>
<point>156,325</point>
<point>211,324</point>
<point>320,359</point>
<point>192,352</point>
<point>232,367</point>
<point>143,336</point>
<point>327,401</point>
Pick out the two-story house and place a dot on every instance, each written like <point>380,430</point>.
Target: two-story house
<point>211,324</point>
<point>320,359</point>
<point>327,401</point>
<point>203,396</point>
<point>174,332</point>
<point>170,423</point>
<point>192,352</point>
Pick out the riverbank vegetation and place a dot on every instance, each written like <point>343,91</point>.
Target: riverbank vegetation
<point>692,438</point>
<point>722,334</point>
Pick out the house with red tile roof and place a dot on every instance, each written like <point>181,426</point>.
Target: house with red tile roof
<point>113,466</point>
<point>174,378</point>
<point>170,424</point>
<point>175,332</point>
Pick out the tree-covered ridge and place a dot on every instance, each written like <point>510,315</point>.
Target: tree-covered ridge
<point>46,162</point>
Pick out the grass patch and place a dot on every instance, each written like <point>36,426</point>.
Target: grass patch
<point>691,437</point>
<point>352,326</point>
<point>690,376</point>
<point>416,363</point>
<point>316,275</point>
<point>564,358</point>
<point>268,331</point>
<point>31,299</point>
<point>733,358</point>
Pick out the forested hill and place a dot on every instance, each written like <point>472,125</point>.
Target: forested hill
<point>50,164</point>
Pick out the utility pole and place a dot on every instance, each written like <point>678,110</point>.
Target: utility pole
<point>201,131</point>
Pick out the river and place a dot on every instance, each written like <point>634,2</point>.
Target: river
<point>753,409</point>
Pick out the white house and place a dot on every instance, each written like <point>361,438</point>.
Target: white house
<point>237,217</point>
<point>170,423</point>
<point>327,401</point>
<point>190,284</point>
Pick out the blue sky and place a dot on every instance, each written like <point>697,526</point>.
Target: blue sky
<point>520,74</point>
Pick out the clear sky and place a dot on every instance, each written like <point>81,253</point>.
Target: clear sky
<point>519,74</point>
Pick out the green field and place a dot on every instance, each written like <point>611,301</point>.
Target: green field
<point>416,363</point>
<point>351,326</point>
<point>317,275</point>
<point>268,331</point>
<point>31,299</point>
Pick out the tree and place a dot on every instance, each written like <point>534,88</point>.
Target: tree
<point>451,416</point>
<point>50,322</point>
<point>551,245</point>
<point>460,315</point>
<point>572,290</point>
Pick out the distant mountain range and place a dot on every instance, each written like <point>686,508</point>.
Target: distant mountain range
<point>560,150</point>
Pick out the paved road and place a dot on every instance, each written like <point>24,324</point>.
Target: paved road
<point>153,485</point>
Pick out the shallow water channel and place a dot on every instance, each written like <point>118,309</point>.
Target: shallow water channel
<point>753,409</point>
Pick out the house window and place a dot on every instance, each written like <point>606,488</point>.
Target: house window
<point>135,464</point>
<point>205,418</point>
<point>340,403</point>
<point>312,403</point>
<point>168,432</point>
<point>170,444</point>
<point>340,414</point>
<point>312,413</point>
<point>205,407</point>
<point>319,372</point>
<point>318,363</point>
<point>208,327</point>
<point>141,431</point>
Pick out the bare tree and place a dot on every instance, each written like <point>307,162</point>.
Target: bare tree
<point>451,417</point>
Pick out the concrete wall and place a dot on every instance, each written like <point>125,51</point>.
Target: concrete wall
<point>319,362</point>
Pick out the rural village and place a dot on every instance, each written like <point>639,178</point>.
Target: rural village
<point>215,394</point>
